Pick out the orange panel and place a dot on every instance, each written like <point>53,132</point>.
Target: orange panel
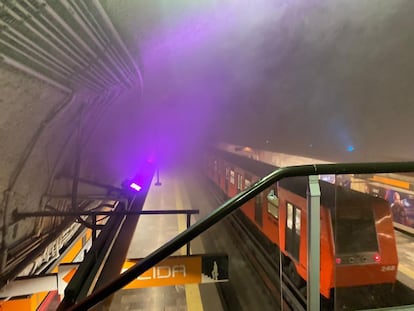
<point>49,301</point>
<point>248,209</point>
<point>74,250</point>
<point>21,304</point>
<point>37,299</point>
<point>29,303</point>
<point>88,234</point>
<point>172,271</point>
<point>363,275</point>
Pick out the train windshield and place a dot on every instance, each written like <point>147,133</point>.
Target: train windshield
<point>354,228</point>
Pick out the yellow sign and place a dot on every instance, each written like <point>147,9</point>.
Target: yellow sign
<point>172,271</point>
<point>175,270</point>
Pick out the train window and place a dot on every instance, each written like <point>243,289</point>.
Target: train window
<point>272,197</point>
<point>227,173</point>
<point>297,220</point>
<point>293,212</point>
<point>247,183</point>
<point>239,182</point>
<point>354,227</point>
<point>232,177</point>
<point>289,222</point>
<point>273,204</point>
<point>293,226</point>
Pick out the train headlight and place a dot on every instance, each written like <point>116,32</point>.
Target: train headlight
<point>377,257</point>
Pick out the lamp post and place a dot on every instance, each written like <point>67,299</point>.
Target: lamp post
<point>158,183</point>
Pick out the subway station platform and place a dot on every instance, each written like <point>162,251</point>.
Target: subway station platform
<point>183,191</point>
<point>153,231</point>
<point>405,248</point>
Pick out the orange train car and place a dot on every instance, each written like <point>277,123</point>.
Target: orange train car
<point>358,245</point>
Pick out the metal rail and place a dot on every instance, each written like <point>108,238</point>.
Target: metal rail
<point>103,213</point>
<point>227,208</point>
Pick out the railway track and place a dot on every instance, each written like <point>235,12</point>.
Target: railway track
<point>283,295</point>
<point>266,266</point>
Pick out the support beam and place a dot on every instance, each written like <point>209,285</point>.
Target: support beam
<point>29,285</point>
<point>314,246</point>
<point>92,183</point>
<point>104,213</point>
<point>91,197</point>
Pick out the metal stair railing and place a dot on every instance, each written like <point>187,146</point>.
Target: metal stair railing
<point>228,207</point>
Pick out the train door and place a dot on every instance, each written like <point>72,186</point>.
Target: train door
<point>258,215</point>
<point>293,225</point>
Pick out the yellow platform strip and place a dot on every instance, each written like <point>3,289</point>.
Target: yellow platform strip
<point>407,271</point>
<point>192,291</point>
<point>392,182</point>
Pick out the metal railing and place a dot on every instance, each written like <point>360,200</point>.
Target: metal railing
<point>225,209</point>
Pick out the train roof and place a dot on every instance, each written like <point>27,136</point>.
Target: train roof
<point>298,185</point>
<point>331,195</point>
<point>254,167</point>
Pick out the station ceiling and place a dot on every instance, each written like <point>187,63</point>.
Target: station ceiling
<point>90,88</point>
<point>328,79</point>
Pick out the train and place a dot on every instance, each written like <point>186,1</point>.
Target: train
<point>358,244</point>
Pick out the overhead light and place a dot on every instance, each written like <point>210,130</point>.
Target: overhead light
<point>135,186</point>
<point>350,148</point>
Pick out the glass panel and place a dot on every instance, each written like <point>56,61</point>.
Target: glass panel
<point>289,217</point>
<point>355,229</point>
<point>371,257</point>
<point>247,183</point>
<point>297,221</point>
<point>232,177</point>
<point>239,181</point>
<point>365,263</point>
<point>273,204</point>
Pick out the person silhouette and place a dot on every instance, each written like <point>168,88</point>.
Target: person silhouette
<point>398,211</point>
